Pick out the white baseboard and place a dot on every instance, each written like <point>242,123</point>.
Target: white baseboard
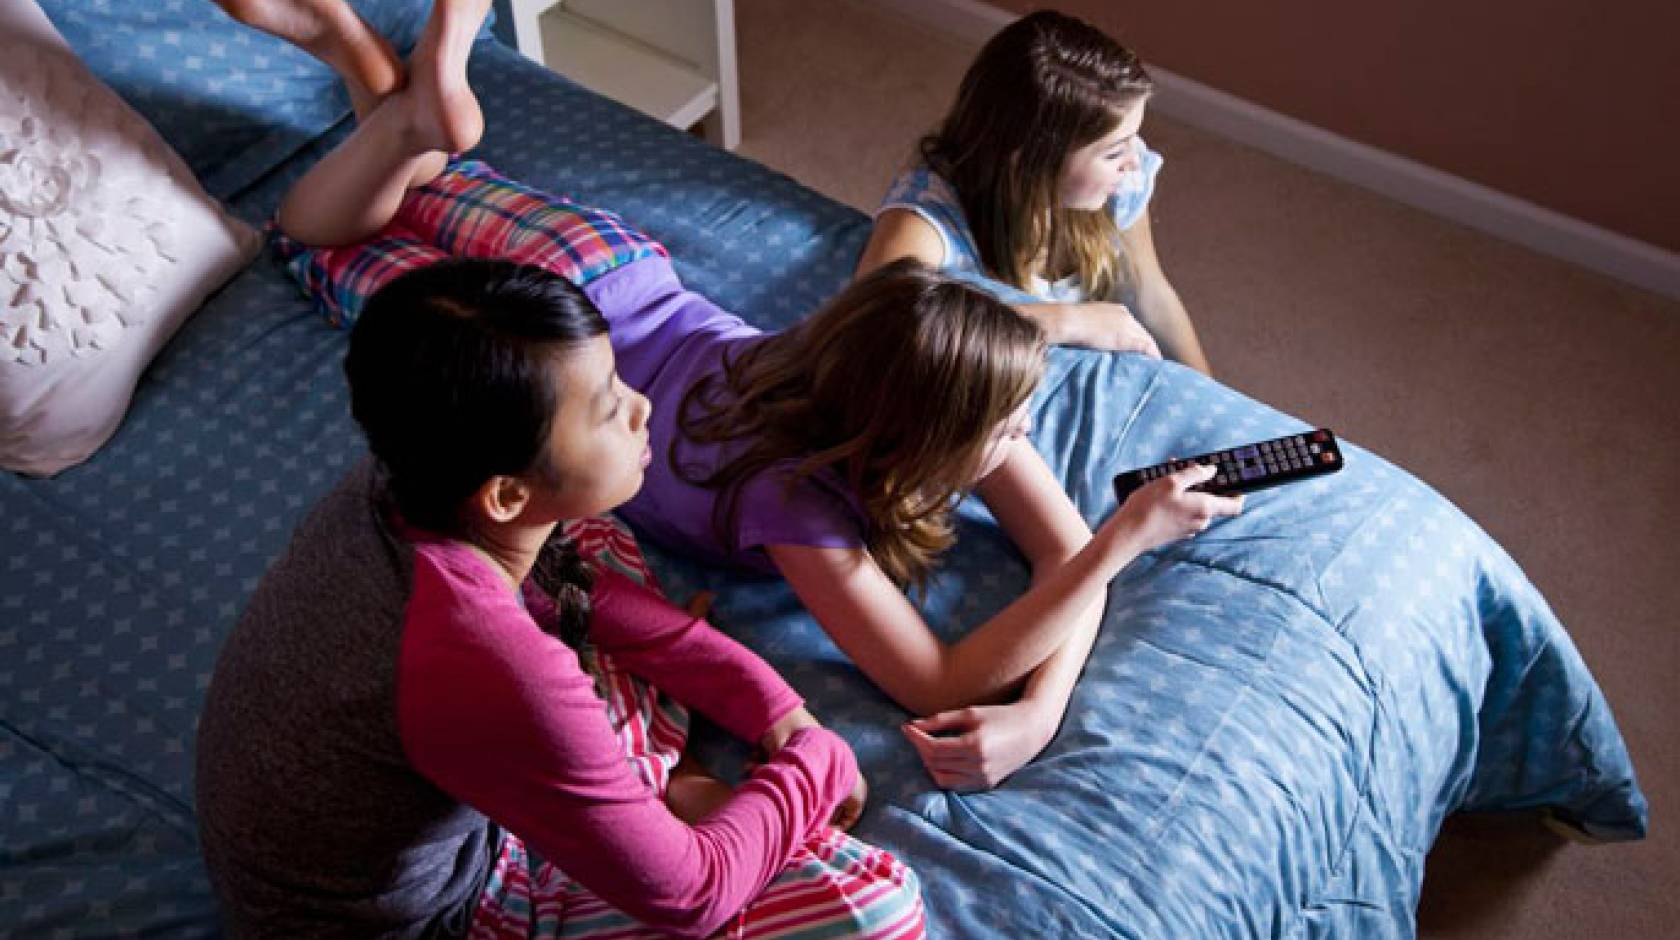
<point>1399,178</point>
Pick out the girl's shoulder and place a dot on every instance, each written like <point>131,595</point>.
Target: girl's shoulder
<point>780,506</point>
<point>918,185</point>
<point>934,200</point>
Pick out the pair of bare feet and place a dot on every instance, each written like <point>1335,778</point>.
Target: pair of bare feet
<point>438,108</point>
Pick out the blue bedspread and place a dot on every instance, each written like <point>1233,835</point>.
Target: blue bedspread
<point>1276,718</point>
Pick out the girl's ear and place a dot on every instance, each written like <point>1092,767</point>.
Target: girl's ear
<point>501,499</point>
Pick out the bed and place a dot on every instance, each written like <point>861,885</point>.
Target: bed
<point>1275,720</point>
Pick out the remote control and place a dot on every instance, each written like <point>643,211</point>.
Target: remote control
<point>1250,467</point>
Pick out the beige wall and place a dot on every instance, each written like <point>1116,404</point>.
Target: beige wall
<point>1572,105</point>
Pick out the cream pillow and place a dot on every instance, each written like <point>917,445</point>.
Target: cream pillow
<point>107,244</point>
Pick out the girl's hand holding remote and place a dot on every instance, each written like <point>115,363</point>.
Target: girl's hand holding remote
<point>1167,510</point>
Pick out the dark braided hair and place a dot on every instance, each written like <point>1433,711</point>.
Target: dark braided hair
<point>562,572</point>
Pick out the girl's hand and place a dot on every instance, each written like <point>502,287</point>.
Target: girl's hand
<point>1111,326</point>
<point>978,747</point>
<point>785,727</point>
<point>1167,510</point>
<point>1095,324</point>
<point>850,808</point>
<point>700,605</point>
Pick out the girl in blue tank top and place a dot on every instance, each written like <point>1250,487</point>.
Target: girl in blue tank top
<point>1036,186</point>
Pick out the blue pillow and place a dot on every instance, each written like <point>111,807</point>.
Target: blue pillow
<point>233,102</point>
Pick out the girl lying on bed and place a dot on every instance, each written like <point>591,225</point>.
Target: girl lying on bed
<point>830,453</point>
<point>1037,180</point>
<point>435,675</point>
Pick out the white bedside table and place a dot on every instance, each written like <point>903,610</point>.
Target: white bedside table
<point>671,59</point>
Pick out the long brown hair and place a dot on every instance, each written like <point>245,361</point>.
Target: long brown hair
<point>1043,87</point>
<point>897,384</point>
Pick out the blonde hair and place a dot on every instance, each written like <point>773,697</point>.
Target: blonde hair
<point>1045,86</point>
<point>897,384</point>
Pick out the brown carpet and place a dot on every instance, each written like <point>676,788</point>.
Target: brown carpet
<point>1541,398</point>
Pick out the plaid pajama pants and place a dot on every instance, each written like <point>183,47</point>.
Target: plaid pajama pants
<point>469,211</point>
<point>834,885</point>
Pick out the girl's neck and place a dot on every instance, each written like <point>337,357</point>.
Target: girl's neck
<point>512,547</point>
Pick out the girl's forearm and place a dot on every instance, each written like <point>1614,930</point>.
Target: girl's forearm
<point>1162,312</point>
<point>1063,324</point>
<point>1051,685</point>
<point>1051,627</point>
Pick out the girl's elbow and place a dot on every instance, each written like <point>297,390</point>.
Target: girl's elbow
<point>929,695</point>
<point>955,687</point>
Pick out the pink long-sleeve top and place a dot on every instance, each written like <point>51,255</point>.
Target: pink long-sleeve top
<point>503,717</point>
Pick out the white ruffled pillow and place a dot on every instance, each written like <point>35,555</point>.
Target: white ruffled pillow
<point>107,244</point>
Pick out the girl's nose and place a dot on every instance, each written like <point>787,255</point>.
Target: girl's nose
<point>641,410</point>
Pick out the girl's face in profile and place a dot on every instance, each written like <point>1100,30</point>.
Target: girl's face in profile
<point>1093,173</point>
<point>598,444</point>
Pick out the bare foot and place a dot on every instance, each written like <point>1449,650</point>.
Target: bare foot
<point>329,30</point>
<point>444,111</point>
<point>693,793</point>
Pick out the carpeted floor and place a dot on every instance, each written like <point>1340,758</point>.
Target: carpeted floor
<point>1541,398</point>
